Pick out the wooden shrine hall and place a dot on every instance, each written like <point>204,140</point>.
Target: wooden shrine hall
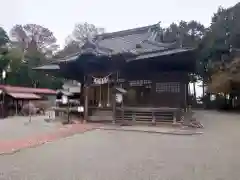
<point>153,75</point>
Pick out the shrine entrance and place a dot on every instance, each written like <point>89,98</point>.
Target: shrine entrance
<point>100,92</point>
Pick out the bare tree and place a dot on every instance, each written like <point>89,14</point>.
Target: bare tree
<point>34,37</point>
<point>78,37</point>
<point>83,31</point>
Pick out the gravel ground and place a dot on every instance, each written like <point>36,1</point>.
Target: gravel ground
<point>115,155</point>
<point>19,127</point>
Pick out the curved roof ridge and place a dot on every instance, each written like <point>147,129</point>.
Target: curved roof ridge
<point>126,32</point>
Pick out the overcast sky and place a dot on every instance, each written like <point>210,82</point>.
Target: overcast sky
<point>61,15</point>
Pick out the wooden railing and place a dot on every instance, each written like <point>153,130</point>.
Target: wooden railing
<point>145,114</point>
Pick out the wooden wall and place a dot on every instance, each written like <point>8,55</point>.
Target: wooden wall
<point>168,89</point>
<point>165,89</point>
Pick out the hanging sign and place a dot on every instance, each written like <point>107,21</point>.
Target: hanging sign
<point>140,82</point>
<point>119,98</point>
<point>100,80</point>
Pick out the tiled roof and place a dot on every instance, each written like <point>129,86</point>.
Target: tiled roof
<point>24,96</point>
<point>17,89</point>
<point>132,42</point>
<point>143,39</point>
<point>124,43</point>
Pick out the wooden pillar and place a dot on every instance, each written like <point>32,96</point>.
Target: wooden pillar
<point>174,118</point>
<point>114,98</point>
<point>114,106</point>
<point>16,106</point>
<point>86,103</point>
<point>86,89</point>
<point>153,119</point>
<point>186,103</point>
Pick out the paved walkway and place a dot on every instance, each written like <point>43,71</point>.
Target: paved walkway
<point>18,127</point>
<point>17,133</point>
<point>120,155</point>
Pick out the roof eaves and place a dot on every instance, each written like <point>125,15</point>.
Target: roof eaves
<point>160,53</point>
<point>160,44</point>
<point>66,59</point>
<point>47,67</point>
<point>125,32</point>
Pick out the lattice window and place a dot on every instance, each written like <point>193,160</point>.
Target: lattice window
<point>173,87</point>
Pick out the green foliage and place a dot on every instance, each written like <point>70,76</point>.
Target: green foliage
<point>30,47</point>
<point>220,45</point>
<point>186,34</point>
<point>4,40</point>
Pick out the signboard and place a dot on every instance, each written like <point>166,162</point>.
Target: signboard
<point>50,114</point>
<point>140,83</point>
<point>119,98</point>
<point>100,80</point>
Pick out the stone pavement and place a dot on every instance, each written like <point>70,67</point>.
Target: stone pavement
<point>18,127</point>
<point>162,129</point>
<point>17,133</point>
<point>120,155</point>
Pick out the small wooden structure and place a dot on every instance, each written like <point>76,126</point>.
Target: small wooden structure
<point>13,98</point>
<point>155,74</point>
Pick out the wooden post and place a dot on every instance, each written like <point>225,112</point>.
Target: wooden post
<point>86,103</point>
<point>114,105</point>
<point>174,118</point>
<point>114,99</point>
<point>16,106</point>
<point>186,96</point>
<point>122,115</point>
<point>153,119</point>
<point>29,111</point>
<point>86,89</point>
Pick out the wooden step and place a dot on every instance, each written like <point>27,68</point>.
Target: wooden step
<point>145,116</point>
